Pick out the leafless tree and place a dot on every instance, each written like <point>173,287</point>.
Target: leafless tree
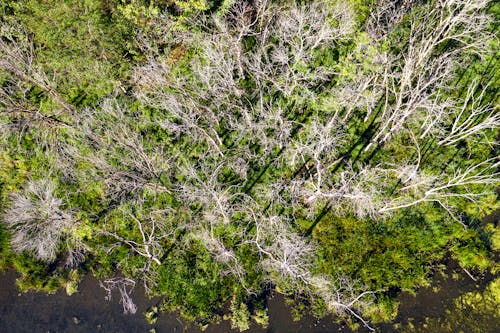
<point>148,246</point>
<point>198,107</point>
<point>376,191</point>
<point>205,187</point>
<point>284,252</point>
<point>423,70</point>
<point>288,257</point>
<point>189,113</point>
<point>153,227</point>
<point>343,296</point>
<point>147,234</point>
<point>18,114</point>
<point>359,191</point>
<point>125,287</point>
<point>441,188</point>
<point>18,57</point>
<point>471,118</point>
<point>117,152</point>
<point>320,141</point>
<point>236,129</point>
<point>222,254</point>
<point>38,220</point>
<point>386,14</point>
<point>286,39</point>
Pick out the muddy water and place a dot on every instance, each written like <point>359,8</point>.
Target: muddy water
<point>431,303</point>
<point>87,311</point>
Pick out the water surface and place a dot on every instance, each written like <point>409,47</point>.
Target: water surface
<point>87,310</point>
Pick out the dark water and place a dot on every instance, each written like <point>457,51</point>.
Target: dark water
<point>433,302</point>
<point>87,311</point>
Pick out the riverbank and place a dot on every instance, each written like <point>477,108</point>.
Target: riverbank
<point>87,311</point>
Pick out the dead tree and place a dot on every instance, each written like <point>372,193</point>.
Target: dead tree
<point>470,119</point>
<point>125,287</point>
<point>288,257</point>
<point>441,188</point>
<point>221,253</point>
<point>18,57</point>
<point>413,92</point>
<point>148,246</point>
<point>38,220</point>
<point>109,135</point>
<point>151,228</point>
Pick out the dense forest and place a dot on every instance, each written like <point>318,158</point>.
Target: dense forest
<point>336,152</point>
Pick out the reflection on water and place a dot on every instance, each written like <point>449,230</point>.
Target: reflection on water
<point>432,310</point>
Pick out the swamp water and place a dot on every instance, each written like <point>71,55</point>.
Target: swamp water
<point>87,311</point>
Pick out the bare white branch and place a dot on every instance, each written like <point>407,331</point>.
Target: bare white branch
<point>125,287</point>
<point>38,221</point>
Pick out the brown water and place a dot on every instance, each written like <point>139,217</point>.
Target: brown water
<point>87,311</point>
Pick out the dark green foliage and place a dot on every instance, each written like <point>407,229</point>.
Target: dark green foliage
<point>398,253</point>
<point>191,283</point>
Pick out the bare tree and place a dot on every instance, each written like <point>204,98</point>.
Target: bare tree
<point>153,227</point>
<point>288,257</point>
<point>343,296</point>
<point>19,114</point>
<point>18,57</point>
<point>146,234</point>
<point>441,188</point>
<point>206,188</point>
<point>360,191</point>
<point>284,252</point>
<point>386,15</point>
<point>189,113</point>
<point>410,93</point>
<point>471,118</point>
<point>222,254</point>
<point>117,152</point>
<point>254,73</point>
<point>38,220</point>
<point>281,61</point>
<point>286,40</point>
<point>125,287</point>
<point>148,246</point>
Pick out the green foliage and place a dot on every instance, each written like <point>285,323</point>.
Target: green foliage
<point>470,251</point>
<point>4,248</point>
<point>80,45</point>
<point>240,316</point>
<point>152,315</point>
<point>385,309</point>
<point>35,275</point>
<point>73,279</point>
<point>191,284</point>
<point>398,253</point>
<point>261,317</point>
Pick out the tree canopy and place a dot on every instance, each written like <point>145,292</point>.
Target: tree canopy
<point>332,151</point>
